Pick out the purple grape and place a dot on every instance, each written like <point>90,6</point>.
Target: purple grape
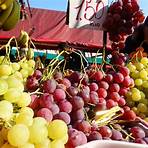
<point>94,136</point>
<point>63,116</point>
<point>49,86</point>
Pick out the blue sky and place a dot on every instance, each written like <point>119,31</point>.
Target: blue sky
<point>61,4</point>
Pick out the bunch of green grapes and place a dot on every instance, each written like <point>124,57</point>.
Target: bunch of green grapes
<point>137,97</point>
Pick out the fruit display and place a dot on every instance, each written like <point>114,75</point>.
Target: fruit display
<point>123,16</point>
<point>52,106</point>
<point>10,14</point>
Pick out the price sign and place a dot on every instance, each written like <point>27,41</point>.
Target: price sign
<point>87,13</point>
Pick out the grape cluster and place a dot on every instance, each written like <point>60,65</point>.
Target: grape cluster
<point>137,96</point>
<point>122,17</point>
<point>19,128</point>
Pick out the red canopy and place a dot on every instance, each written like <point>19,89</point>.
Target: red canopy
<point>51,29</point>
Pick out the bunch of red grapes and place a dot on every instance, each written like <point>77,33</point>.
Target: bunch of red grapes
<point>75,98</point>
<point>121,19</point>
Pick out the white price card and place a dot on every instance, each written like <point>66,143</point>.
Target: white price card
<point>87,13</point>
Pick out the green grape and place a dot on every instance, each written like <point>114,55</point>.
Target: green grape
<point>13,82</point>
<point>142,95</point>
<point>128,95</point>
<point>12,95</point>
<point>136,96</point>
<point>31,63</point>
<point>135,110</point>
<point>44,144</point>
<point>25,100</point>
<point>143,74</point>
<point>39,121</point>
<point>135,74</point>
<point>28,145</point>
<point>131,67</point>
<point>15,66</point>
<point>138,82</point>
<point>57,129</point>
<point>24,65</point>
<point>27,110</point>
<point>57,144</point>
<point>18,76</point>
<point>4,133</point>
<point>38,133</point>
<point>3,86</point>
<point>30,71</point>
<point>1,139</point>
<point>64,139</point>
<point>24,73</point>
<point>142,108</point>
<point>23,118</point>
<point>5,70</point>
<point>145,101</point>
<point>145,84</point>
<point>6,109</point>
<point>130,102</point>
<point>7,145</point>
<point>144,61</point>
<point>139,66</point>
<point>134,89</point>
<point>1,59</point>
<point>18,135</point>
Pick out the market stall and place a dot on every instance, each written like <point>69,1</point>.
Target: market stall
<point>67,102</point>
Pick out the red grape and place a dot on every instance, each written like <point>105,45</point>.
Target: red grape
<point>63,116</point>
<point>137,132</point>
<point>46,100</point>
<point>124,70</point>
<point>65,106</point>
<point>49,86</point>
<point>118,77</point>
<point>129,115</point>
<point>98,76</point>
<point>110,103</point>
<point>77,102</point>
<point>104,85</point>
<point>32,83</point>
<point>83,126</point>
<point>34,102</point>
<point>73,91</point>
<point>94,135</point>
<point>114,96</point>
<point>37,74</point>
<point>105,131</point>
<point>109,78</point>
<point>45,113</point>
<point>116,135</point>
<point>139,140</point>
<point>121,102</point>
<point>94,99</point>
<point>93,86</point>
<point>55,109</point>
<point>127,81</point>
<point>66,82</point>
<point>77,115</point>
<point>114,87</point>
<point>102,93</point>
<point>59,94</point>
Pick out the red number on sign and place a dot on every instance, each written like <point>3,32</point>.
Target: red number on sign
<point>102,10</point>
<point>88,9</point>
<point>79,7</point>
